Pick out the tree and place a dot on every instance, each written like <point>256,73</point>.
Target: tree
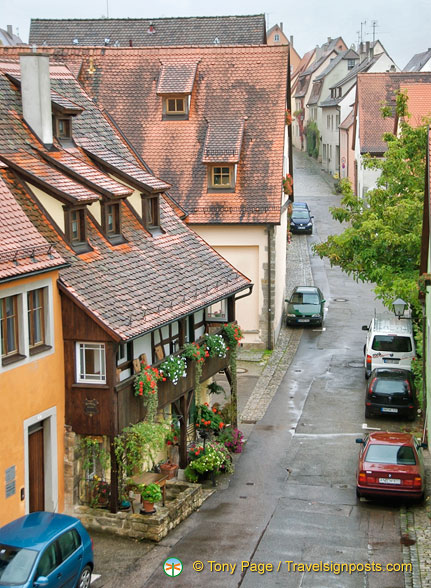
<point>382,242</point>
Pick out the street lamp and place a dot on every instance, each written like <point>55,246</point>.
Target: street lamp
<point>399,307</point>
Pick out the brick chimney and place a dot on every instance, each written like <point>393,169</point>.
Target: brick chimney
<point>36,94</point>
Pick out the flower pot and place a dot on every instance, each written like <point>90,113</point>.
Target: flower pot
<point>148,507</point>
<point>170,469</point>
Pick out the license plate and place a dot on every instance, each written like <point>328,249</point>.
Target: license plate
<point>391,360</point>
<point>390,481</point>
<point>384,409</point>
<point>303,320</point>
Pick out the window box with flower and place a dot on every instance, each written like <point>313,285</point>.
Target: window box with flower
<point>216,346</point>
<point>174,368</point>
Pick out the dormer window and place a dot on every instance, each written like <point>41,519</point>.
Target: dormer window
<point>151,212</point>
<point>76,228</point>
<point>175,107</point>
<point>222,176</point>
<point>62,128</point>
<point>112,219</point>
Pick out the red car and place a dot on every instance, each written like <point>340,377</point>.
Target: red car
<point>390,464</point>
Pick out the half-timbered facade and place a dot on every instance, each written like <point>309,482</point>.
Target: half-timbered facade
<point>138,282</point>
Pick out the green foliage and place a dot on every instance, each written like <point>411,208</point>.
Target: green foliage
<point>139,443</point>
<point>313,139</point>
<point>215,388</point>
<point>150,492</point>
<point>197,354</point>
<point>215,459</point>
<point>208,418</point>
<point>92,452</point>
<point>381,243</point>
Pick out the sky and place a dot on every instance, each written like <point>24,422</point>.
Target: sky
<point>401,26</point>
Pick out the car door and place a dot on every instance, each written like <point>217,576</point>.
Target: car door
<point>61,561</point>
<point>71,552</point>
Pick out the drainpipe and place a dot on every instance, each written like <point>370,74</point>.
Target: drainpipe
<point>269,343</point>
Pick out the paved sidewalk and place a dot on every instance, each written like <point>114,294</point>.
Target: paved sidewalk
<point>298,273</point>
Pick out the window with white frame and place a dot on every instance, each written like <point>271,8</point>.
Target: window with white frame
<point>90,363</point>
<point>276,37</point>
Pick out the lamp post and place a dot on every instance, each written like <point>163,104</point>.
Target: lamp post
<point>399,307</point>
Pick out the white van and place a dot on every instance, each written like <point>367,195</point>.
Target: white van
<point>390,343</point>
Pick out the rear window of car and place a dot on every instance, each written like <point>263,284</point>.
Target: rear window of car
<point>386,386</point>
<point>391,343</point>
<point>15,564</point>
<point>391,454</point>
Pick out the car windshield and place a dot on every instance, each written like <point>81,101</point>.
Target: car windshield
<point>391,343</point>
<point>15,564</point>
<point>303,298</point>
<point>300,213</point>
<point>386,386</point>
<point>391,454</point>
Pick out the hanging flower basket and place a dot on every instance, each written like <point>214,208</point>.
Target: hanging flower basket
<point>174,368</point>
<point>288,117</point>
<point>288,185</point>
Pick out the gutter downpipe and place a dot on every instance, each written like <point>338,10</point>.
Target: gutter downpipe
<point>269,343</point>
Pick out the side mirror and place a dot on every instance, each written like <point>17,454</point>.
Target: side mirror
<point>424,445</point>
<point>359,441</point>
<point>323,300</point>
<point>365,328</point>
<point>41,581</point>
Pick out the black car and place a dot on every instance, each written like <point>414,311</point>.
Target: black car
<point>301,221</point>
<point>390,391</point>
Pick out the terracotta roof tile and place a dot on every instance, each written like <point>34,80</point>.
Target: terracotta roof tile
<point>22,249</point>
<point>419,101</point>
<point>223,141</point>
<point>234,83</point>
<point>177,78</point>
<point>132,288</point>
<point>137,174</point>
<point>375,88</point>
<point>80,169</point>
<point>37,171</point>
<point>124,32</point>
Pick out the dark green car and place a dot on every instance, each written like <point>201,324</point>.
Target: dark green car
<point>305,306</point>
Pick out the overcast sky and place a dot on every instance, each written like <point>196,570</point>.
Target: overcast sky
<point>403,27</point>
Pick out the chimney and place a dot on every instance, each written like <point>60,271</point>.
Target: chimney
<point>291,40</point>
<point>9,30</point>
<point>281,27</point>
<point>36,95</point>
<point>367,48</point>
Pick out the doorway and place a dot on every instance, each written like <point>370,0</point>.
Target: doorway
<point>36,468</point>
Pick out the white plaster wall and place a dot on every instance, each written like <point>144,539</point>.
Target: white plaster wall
<point>245,248</point>
<point>142,345</point>
<point>96,211</point>
<point>383,64</point>
<point>329,137</point>
<point>53,206</point>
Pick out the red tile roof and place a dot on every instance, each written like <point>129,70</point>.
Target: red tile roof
<point>43,175</point>
<point>132,288</point>
<point>177,77</point>
<point>137,175</point>
<point>231,82</point>
<point>223,141</point>
<point>97,180</point>
<point>373,89</point>
<point>419,101</point>
<point>23,250</point>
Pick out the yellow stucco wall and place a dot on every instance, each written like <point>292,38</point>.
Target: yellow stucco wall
<point>30,389</point>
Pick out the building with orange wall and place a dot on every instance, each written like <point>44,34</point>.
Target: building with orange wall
<point>31,369</point>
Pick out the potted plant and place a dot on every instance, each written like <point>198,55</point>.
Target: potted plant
<point>168,467</point>
<point>150,494</point>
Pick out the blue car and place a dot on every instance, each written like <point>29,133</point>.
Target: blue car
<point>45,549</point>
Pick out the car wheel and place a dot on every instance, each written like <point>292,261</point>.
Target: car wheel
<point>367,413</point>
<point>358,494</point>
<point>411,417</point>
<point>85,578</point>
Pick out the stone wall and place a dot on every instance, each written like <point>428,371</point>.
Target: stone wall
<point>189,498</point>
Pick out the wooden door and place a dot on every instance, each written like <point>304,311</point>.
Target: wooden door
<point>36,476</point>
